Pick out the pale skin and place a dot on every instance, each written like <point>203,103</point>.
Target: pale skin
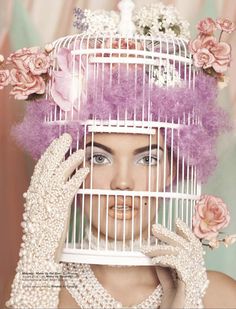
<point>125,170</point>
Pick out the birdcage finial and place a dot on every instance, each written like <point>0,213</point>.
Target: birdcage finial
<point>126,26</point>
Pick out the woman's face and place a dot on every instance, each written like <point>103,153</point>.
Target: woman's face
<point>124,163</point>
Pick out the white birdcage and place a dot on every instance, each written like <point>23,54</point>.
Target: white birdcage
<point>164,62</point>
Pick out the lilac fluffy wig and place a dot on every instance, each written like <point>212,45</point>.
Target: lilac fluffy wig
<point>109,96</point>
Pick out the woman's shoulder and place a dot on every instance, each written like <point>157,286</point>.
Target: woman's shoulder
<point>221,292</point>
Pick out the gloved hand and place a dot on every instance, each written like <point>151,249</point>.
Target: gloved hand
<point>182,253</point>
<point>48,199</point>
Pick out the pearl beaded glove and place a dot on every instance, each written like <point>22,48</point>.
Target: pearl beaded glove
<point>183,252</point>
<point>48,199</point>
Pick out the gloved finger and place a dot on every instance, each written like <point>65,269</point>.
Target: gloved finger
<point>159,250</point>
<point>184,231</point>
<point>56,156</point>
<point>168,261</point>
<point>67,167</point>
<point>168,236</point>
<point>73,185</point>
<point>39,165</point>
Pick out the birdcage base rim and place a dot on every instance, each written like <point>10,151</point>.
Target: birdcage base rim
<point>107,257</point>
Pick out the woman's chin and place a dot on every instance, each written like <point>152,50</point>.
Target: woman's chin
<point>123,232</point>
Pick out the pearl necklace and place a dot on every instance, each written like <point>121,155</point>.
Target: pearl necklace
<point>84,287</point>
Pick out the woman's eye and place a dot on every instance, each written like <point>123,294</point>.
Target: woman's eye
<point>99,159</point>
<point>148,160</point>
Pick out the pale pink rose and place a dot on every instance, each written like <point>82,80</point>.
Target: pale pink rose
<point>222,54</point>
<point>207,41</point>
<point>21,58</point>
<point>220,68</point>
<point>195,45</point>
<point>202,41</point>
<point>25,84</point>
<point>206,26</point>
<point>4,78</point>
<point>39,63</point>
<point>68,84</point>
<point>224,24</point>
<point>211,215</point>
<point>61,90</point>
<point>221,51</point>
<point>203,58</point>
<point>229,240</point>
<point>214,243</point>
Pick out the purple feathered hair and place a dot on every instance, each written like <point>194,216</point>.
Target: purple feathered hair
<point>107,96</point>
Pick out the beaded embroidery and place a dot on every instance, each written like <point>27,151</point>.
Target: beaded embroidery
<point>82,284</point>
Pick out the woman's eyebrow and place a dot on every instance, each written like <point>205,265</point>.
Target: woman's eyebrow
<point>147,148</point>
<point>95,144</point>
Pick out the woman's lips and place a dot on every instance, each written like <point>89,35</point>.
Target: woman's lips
<point>121,212</point>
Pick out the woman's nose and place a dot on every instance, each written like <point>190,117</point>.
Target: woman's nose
<point>123,178</point>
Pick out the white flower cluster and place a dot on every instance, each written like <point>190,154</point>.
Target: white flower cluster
<point>101,22</point>
<point>159,18</point>
<point>151,20</point>
<point>165,74</point>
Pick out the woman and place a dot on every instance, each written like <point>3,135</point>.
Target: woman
<point>131,285</point>
<point>173,294</point>
<point>149,80</point>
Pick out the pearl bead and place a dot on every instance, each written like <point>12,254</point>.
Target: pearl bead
<point>42,232</point>
<point>89,293</point>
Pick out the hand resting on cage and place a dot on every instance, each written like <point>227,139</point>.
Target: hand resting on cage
<point>180,266</point>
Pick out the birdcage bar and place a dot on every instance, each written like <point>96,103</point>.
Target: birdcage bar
<point>94,56</point>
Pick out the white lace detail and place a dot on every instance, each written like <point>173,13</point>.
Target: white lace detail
<point>84,287</point>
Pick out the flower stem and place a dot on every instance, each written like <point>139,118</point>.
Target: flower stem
<point>221,35</point>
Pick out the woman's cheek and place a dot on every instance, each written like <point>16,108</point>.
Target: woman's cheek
<point>101,177</point>
<point>148,182</point>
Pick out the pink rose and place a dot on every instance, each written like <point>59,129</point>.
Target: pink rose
<point>208,41</point>
<point>25,84</point>
<point>4,78</point>
<point>211,215</point>
<point>202,41</point>
<point>21,58</point>
<point>61,90</point>
<point>203,58</point>
<point>222,54</point>
<point>67,84</point>
<point>225,24</point>
<point>221,51</point>
<point>206,26</point>
<point>39,63</point>
<point>194,45</point>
